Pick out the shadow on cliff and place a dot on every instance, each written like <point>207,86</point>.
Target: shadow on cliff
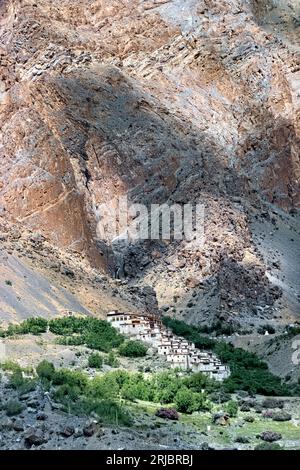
<point>117,132</point>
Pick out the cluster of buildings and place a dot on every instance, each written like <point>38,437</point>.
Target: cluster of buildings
<point>179,352</point>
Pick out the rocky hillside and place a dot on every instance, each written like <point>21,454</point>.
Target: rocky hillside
<point>162,101</point>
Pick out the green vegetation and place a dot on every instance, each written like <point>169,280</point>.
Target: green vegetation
<point>248,371</point>
<point>13,408</point>
<point>10,366</point>
<point>73,331</point>
<point>191,333</point>
<point>45,370</point>
<point>261,330</point>
<point>292,331</point>
<point>94,333</point>
<point>133,349</point>
<point>77,393</point>
<point>268,446</point>
<point>188,401</point>
<point>23,385</point>
<point>111,360</point>
<point>95,361</point>
<point>232,408</point>
<point>35,326</point>
<point>109,410</point>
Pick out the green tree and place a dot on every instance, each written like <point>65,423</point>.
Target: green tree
<point>232,408</point>
<point>133,349</point>
<point>185,400</point>
<point>95,361</point>
<point>45,370</point>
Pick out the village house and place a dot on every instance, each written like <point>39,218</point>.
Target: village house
<point>179,352</point>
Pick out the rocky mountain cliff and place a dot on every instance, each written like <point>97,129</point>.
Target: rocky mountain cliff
<point>162,101</point>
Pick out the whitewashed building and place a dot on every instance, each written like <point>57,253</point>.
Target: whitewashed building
<point>179,352</point>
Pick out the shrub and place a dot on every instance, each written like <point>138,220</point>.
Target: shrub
<point>21,384</point>
<point>272,403</point>
<point>28,385</point>
<point>133,349</point>
<point>45,370</point>
<point>111,360</point>
<point>108,410</point>
<point>66,393</point>
<point>242,440</point>
<point>10,365</point>
<point>76,340</point>
<point>188,401</point>
<point>281,416</point>
<point>249,419</point>
<point>245,407</point>
<point>70,377</point>
<point>220,397</point>
<point>270,436</point>
<point>232,408</point>
<point>95,361</point>
<point>268,446</point>
<point>167,413</point>
<point>13,407</point>
<point>16,379</point>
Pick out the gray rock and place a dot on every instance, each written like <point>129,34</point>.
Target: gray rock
<point>34,437</point>
<point>18,425</point>
<point>68,431</point>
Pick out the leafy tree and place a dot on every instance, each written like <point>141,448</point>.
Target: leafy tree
<point>96,334</point>
<point>104,387</point>
<point>70,377</point>
<point>133,349</point>
<point>232,408</point>
<point>188,401</point>
<point>35,326</point>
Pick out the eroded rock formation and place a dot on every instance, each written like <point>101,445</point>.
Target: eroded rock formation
<point>160,101</point>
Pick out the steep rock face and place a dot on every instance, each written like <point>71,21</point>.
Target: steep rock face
<point>160,101</point>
